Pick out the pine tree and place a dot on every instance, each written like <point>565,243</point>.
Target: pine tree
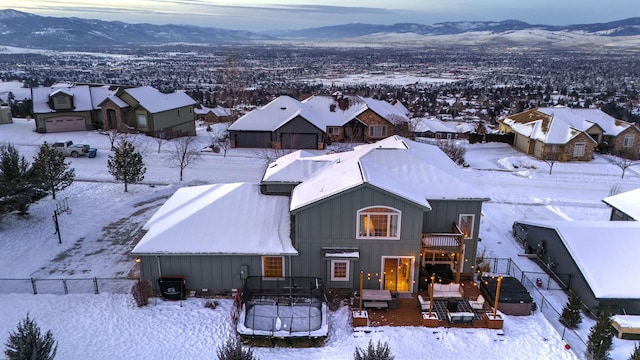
<point>50,172</point>
<point>571,314</point>
<point>232,350</point>
<point>381,351</point>
<point>126,164</point>
<point>16,188</point>
<point>601,337</point>
<point>636,353</point>
<point>27,343</point>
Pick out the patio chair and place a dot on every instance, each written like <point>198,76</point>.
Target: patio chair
<point>424,304</point>
<point>477,304</point>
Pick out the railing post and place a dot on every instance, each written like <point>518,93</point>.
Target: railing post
<point>33,286</point>
<point>95,286</point>
<point>64,285</point>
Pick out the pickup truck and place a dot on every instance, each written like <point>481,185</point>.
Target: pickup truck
<point>68,148</point>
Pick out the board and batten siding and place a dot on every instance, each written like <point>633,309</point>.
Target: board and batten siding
<point>556,252</point>
<point>332,222</point>
<point>444,213</point>
<point>213,272</point>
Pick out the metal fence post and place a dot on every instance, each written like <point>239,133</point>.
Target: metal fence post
<point>64,285</point>
<point>33,286</point>
<point>95,286</point>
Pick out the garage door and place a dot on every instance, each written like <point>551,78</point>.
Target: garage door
<point>65,123</point>
<point>252,139</point>
<point>299,141</point>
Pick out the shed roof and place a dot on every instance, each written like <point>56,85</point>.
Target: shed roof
<point>627,202</point>
<point>606,253</point>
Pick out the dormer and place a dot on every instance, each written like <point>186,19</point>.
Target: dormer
<point>61,100</point>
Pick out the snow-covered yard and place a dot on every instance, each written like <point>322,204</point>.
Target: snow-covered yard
<point>98,234</point>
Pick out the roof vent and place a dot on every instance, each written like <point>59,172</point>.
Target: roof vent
<point>283,108</point>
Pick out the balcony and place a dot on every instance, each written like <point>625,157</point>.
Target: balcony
<point>444,242</point>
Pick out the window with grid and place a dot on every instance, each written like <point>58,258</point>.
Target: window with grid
<point>377,131</point>
<point>578,150</point>
<point>378,222</point>
<point>273,266</point>
<point>339,270</point>
<point>627,141</point>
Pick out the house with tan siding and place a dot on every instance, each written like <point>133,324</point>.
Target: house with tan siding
<point>569,134</point>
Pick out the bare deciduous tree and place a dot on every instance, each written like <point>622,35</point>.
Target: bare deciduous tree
<point>624,160</point>
<point>113,135</point>
<point>183,153</point>
<point>550,159</point>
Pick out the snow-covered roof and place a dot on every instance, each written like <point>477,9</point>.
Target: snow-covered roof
<point>271,116</point>
<point>81,98</point>
<point>627,202</point>
<point>218,111</point>
<point>583,119</point>
<point>590,242</point>
<point>116,100</point>
<point>100,93</point>
<point>220,219</point>
<point>411,170</point>
<point>155,101</point>
<point>433,125</point>
<point>321,111</point>
<point>558,125</point>
<point>294,167</point>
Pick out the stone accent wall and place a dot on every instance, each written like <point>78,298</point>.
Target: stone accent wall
<point>589,148</point>
<point>619,141</point>
<point>372,119</point>
<point>106,105</point>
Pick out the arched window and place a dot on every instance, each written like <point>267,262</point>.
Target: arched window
<point>378,222</point>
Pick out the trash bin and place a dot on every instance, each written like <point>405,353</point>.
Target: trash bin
<point>93,152</point>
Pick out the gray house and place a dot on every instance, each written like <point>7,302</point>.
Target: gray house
<point>386,209</point>
<point>624,206</point>
<point>595,259</point>
<point>286,123</point>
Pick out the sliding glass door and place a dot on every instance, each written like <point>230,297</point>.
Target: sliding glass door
<point>397,273</point>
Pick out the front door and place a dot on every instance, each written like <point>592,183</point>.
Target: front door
<point>397,273</point>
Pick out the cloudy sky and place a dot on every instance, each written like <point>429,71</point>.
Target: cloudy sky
<point>256,15</point>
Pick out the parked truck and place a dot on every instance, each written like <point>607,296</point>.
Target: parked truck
<point>68,148</point>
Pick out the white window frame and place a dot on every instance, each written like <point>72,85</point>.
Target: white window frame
<point>272,277</point>
<point>366,212</point>
<point>579,153</point>
<point>471,227</point>
<point>333,130</point>
<point>348,270</point>
<point>627,141</point>
<point>373,128</point>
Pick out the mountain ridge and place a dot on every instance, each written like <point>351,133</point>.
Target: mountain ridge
<point>29,30</point>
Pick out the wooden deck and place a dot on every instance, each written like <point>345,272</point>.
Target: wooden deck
<point>406,311</point>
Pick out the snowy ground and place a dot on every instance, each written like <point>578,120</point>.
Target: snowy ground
<point>102,227</point>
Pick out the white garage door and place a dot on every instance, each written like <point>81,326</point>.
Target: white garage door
<point>65,123</point>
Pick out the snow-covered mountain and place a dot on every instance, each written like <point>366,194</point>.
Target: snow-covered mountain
<point>29,30</point>
<point>627,27</point>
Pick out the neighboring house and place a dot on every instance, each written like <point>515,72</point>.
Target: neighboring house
<point>64,108</point>
<point>624,206</point>
<point>214,115</point>
<point>83,107</point>
<point>569,134</point>
<point>5,114</point>
<point>437,129</point>
<point>147,110</point>
<point>386,209</point>
<point>595,259</point>
<point>309,124</point>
